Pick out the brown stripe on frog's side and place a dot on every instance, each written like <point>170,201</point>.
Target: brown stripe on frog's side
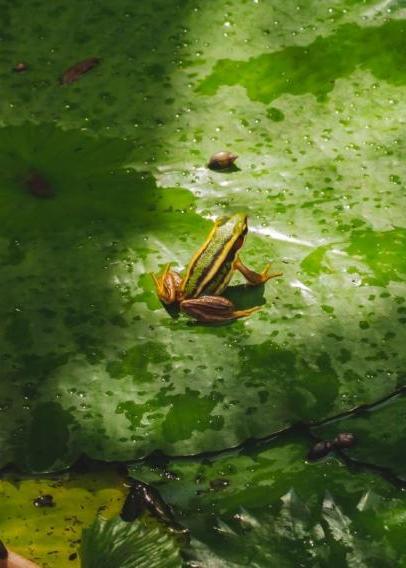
<point>205,282</point>
<point>196,276</point>
<point>212,273</point>
<point>220,281</point>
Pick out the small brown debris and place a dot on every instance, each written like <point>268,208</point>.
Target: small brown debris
<point>44,501</point>
<point>38,186</point>
<point>76,71</point>
<point>20,67</point>
<point>73,556</point>
<point>319,450</point>
<point>222,161</point>
<point>344,440</point>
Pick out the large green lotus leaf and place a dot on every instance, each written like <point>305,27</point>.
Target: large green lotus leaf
<point>117,544</point>
<point>92,362</point>
<point>268,507</point>
<point>51,536</point>
<point>95,363</point>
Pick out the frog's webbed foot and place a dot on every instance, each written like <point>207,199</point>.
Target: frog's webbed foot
<point>255,278</point>
<point>167,285</point>
<point>213,309</point>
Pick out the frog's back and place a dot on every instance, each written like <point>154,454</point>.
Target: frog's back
<point>211,268</point>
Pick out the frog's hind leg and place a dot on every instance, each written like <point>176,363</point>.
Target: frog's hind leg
<point>167,285</point>
<point>213,309</point>
<point>255,278</point>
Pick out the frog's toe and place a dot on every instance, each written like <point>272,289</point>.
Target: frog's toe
<point>266,275</point>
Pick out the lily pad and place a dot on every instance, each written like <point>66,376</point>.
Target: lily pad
<point>268,506</point>
<point>92,363</point>
<point>51,535</point>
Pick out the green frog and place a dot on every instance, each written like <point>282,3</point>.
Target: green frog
<point>198,292</point>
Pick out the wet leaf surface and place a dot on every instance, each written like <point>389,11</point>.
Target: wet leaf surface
<point>87,347</point>
<point>312,99</point>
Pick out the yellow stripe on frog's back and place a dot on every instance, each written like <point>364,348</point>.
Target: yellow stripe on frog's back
<point>216,265</point>
<point>192,287</point>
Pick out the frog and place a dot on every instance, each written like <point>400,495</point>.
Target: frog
<point>199,292</point>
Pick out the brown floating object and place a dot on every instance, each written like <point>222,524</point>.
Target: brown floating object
<point>344,440</point>
<point>20,67</point>
<point>319,450</point>
<point>76,71</point>
<point>38,186</point>
<point>222,161</point>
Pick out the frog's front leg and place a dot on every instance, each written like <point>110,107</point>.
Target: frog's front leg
<point>255,278</point>
<point>213,309</point>
<point>167,285</point>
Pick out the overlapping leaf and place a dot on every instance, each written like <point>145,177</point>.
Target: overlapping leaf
<point>380,436</point>
<point>51,535</point>
<point>269,507</point>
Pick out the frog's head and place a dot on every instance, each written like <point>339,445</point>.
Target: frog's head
<point>236,224</point>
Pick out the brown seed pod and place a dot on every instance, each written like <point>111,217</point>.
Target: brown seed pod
<point>319,450</point>
<point>20,67</point>
<point>76,71</point>
<point>222,161</point>
<point>38,186</point>
<point>344,440</point>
